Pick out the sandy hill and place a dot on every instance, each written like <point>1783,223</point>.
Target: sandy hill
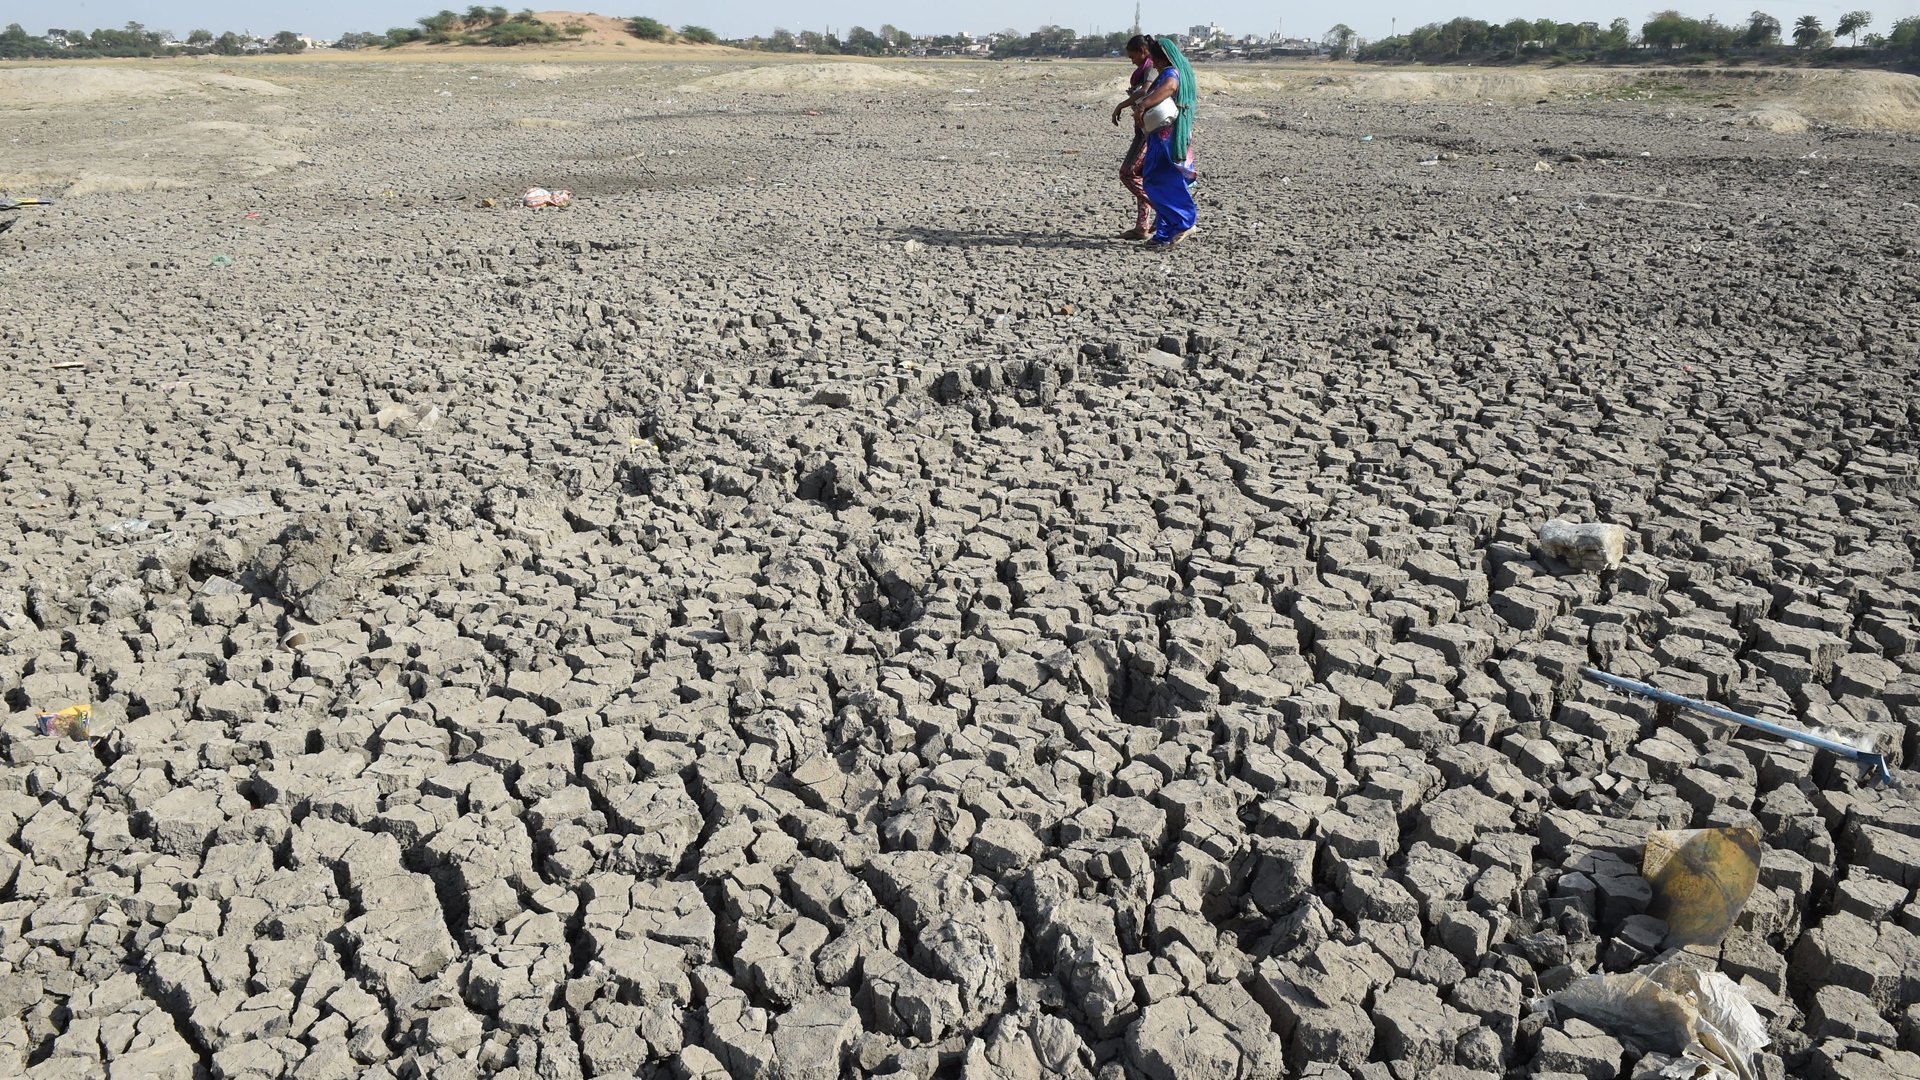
<point>605,34</point>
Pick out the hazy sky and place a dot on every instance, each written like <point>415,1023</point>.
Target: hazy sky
<point>1372,18</point>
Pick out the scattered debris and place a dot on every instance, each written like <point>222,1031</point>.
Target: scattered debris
<point>72,722</point>
<point>1701,879</point>
<point>1586,546</point>
<point>404,418</point>
<point>536,198</point>
<point>67,365</point>
<point>1871,761</point>
<point>1701,1018</point>
<point>1542,167</point>
<point>127,528</point>
<point>15,204</point>
<point>220,260</point>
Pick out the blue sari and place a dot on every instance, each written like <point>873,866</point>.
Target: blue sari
<point>1166,180</point>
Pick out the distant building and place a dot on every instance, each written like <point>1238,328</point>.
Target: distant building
<point>1201,37</point>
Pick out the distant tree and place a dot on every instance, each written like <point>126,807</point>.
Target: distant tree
<point>1576,37</point>
<point>228,44</point>
<point>1852,23</point>
<point>1339,40</point>
<point>647,29</point>
<point>440,26</point>
<point>1903,38</point>
<point>700,35</point>
<point>1807,31</point>
<point>1619,34</point>
<point>286,41</point>
<point>1668,30</point>
<point>782,40</point>
<point>864,42</point>
<point>1762,29</point>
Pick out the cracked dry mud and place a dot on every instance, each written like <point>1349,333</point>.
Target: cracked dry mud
<point>819,608</point>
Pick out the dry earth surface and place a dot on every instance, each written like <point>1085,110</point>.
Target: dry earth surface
<point>820,607</point>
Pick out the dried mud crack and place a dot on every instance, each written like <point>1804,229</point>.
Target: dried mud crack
<point>818,607</point>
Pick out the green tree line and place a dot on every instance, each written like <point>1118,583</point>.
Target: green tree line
<point>860,41</point>
<point>130,41</point>
<point>479,25</point>
<point>1664,35</point>
<point>1060,41</point>
<point>654,30</point>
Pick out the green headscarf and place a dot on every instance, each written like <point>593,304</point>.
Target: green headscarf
<point>1183,97</point>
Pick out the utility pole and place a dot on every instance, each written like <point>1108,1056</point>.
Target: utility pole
<point>1136,16</point>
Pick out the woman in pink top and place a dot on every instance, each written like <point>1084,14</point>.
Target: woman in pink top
<point>1137,87</point>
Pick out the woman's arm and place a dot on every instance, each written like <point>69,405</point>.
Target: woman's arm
<point>1166,88</point>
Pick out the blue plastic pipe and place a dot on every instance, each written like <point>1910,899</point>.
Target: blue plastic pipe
<point>1875,765</point>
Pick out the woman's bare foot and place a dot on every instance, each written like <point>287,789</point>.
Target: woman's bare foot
<point>1134,234</point>
<point>1180,236</point>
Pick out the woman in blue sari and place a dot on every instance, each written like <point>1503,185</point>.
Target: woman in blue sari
<point>1166,116</point>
